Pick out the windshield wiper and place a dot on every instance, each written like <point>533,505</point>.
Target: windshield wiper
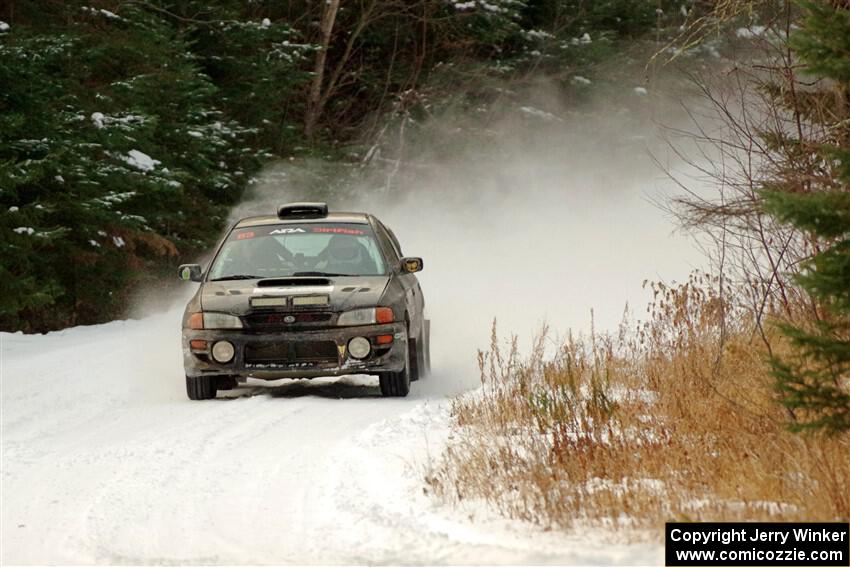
<point>236,277</point>
<point>321,274</point>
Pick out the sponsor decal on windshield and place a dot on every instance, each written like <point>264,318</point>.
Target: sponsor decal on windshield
<point>337,230</point>
<point>287,231</point>
<point>278,230</point>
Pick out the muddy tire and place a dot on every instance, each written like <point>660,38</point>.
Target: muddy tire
<point>201,387</point>
<point>396,384</point>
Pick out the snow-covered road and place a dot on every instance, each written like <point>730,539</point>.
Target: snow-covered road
<point>104,460</point>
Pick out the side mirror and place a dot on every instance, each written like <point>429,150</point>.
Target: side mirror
<point>411,265</point>
<point>190,273</point>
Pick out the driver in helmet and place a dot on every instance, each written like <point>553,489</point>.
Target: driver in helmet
<point>344,255</point>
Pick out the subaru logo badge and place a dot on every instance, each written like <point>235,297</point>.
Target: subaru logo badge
<point>289,319</point>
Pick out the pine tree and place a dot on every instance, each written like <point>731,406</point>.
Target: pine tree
<point>125,136</point>
<point>126,133</point>
<point>814,383</point>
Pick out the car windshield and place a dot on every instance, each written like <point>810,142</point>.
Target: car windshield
<point>309,249</point>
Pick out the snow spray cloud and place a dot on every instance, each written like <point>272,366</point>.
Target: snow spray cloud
<point>537,216</point>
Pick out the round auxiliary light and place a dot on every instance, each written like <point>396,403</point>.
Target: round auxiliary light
<point>223,351</point>
<point>359,347</point>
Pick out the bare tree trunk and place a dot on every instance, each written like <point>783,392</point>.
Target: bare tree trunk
<point>314,100</point>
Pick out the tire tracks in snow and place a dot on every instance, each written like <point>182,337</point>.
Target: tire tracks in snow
<point>105,461</point>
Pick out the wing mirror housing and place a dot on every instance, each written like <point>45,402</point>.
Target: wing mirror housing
<point>411,265</point>
<point>190,273</point>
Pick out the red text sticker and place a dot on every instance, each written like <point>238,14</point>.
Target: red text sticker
<point>337,230</point>
<point>244,235</point>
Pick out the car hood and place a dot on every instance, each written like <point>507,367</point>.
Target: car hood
<point>345,292</point>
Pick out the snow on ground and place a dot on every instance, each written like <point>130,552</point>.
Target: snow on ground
<point>750,32</point>
<point>104,460</point>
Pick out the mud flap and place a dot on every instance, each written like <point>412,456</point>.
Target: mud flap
<point>426,348</point>
<point>415,357</point>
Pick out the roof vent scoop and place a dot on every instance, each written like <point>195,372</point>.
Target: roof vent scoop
<point>302,211</point>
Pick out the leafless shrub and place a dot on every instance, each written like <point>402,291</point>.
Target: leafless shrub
<point>760,126</point>
<point>663,421</point>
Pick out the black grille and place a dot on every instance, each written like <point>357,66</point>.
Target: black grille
<point>272,321</point>
<point>291,352</point>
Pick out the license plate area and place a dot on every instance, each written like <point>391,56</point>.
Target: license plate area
<point>291,352</point>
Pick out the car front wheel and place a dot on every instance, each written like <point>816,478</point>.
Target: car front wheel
<point>396,384</point>
<point>201,387</point>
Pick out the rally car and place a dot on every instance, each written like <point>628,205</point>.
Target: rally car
<point>301,294</point>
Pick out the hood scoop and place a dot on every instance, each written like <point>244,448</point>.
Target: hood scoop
<point>294,282</point>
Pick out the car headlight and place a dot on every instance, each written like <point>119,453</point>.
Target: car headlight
<point>367,316</point>
<point>221,321</point>
<point>357,317</point>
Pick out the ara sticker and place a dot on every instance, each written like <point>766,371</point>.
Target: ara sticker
<point>287,231</point>
<point>245,235</point>
<point>337,230</point>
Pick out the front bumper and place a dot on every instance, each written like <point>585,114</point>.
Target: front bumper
<point>382,358</point>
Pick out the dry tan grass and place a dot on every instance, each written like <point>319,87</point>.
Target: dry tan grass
<point>673,420</point>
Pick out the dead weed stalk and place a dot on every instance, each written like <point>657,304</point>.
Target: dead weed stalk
<point>673,419</point>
